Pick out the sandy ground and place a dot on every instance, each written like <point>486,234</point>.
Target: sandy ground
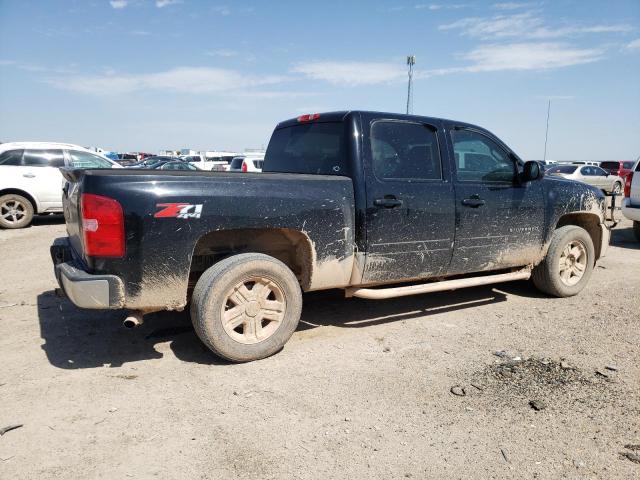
<point>362,390</point>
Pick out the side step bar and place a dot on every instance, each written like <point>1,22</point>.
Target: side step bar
<point>382,293</point>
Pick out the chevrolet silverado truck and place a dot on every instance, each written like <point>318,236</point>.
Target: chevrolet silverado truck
<point>378,204</point>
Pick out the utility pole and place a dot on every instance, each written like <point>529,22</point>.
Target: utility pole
<point>411,61</point>
<point>546,134</point>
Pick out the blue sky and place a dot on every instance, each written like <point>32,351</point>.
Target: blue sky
<point>155,74</point>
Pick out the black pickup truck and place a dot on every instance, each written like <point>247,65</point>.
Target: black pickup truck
<point>360,201</point>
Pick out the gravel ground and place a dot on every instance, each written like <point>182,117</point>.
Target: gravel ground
<point>498,382</point>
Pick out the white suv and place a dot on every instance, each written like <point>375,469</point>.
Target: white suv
<point>30,182</point>
<point>631,201</point>
<point>251,163</point>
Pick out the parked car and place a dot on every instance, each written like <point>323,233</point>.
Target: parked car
<point>246,164</point>
<point>590,174</point>
<point>128,159</point>
<point>631,200</point>
<point>621,168</point>
<point>361,201</point>
<point>149,161</point>
<point>30,180</point>
<point>172,165</point>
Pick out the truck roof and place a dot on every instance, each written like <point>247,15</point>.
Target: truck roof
<point>340,115</point>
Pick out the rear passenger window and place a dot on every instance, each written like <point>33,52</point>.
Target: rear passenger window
<point>87,160</point>
<point>43,158</point>
<point>404,150</point>
<point>11,158</point>
<point>479,159</point>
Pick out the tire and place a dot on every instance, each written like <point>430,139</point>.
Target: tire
<point>617,188</point>
<point>16,211</point>
<point>547,275</point>
<point>237,323</point>
<point>636,230</point>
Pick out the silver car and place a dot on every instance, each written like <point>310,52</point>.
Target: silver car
<point>590,174</point>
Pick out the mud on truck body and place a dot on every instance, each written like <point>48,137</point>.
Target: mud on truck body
<point>361,201</point>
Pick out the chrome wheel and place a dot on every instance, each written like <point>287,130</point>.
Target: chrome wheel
<point>253,310</point>
<point>573,263</point>
<point>13,211</point>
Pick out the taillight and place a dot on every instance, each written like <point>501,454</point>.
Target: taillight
<point>244,166</point>
<point>627,184</point>
<point>308,117</point>
<point>102,226</point>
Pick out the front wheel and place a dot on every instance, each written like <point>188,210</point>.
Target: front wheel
<point>246,307</point>
<point>636,230</point>
<point>569,263</point>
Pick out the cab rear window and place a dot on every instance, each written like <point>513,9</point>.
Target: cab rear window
<point>313,148</point>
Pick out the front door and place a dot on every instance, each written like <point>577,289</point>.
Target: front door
<point>499,221</point>
<point>410,200</point>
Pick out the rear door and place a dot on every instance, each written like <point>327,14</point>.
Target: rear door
<point>499,222</point>
<point>410,211</point>
<point>41,169</point>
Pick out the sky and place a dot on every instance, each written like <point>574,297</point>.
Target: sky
<point>149,75</point>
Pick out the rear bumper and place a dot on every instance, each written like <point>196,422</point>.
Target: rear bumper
<point>84,289</point>
<point>630,212</point>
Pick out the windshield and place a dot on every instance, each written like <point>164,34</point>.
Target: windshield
<point>566,169</point>
<point>316,148</point>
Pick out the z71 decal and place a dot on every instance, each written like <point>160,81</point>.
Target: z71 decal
<point>178,210</point>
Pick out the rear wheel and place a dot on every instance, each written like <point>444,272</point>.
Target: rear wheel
<point>636,230</point>
<point>15,211</point>
<point>246,307</point>
<point>569,263</point>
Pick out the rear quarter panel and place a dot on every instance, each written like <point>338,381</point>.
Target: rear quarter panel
<point>156,266</point>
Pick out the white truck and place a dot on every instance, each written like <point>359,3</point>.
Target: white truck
<point>212,160</point>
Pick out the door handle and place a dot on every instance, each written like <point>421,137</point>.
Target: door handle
<point>28,175</point>
<point>473,202</point>
<point>387,202</point>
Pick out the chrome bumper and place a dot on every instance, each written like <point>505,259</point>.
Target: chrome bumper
<point>84,289</point>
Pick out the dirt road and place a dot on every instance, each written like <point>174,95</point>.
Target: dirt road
<point>363,389</point>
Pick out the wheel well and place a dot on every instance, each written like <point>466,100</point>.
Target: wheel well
<point>590,222</point>
<point>291,247</point>
<point>22,193</point>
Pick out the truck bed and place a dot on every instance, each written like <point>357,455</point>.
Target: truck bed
<point>162,248</point>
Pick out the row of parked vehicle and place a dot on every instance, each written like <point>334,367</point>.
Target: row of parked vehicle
<point>607,180</point>
<point>618,178</point>
<point>209,161</point>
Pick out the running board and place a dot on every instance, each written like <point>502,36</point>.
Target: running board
<point>382,293</point>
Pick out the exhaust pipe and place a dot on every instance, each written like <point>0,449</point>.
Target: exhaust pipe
<point>133,320</point>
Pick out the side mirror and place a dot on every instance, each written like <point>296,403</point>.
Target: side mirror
<point>531,171</point>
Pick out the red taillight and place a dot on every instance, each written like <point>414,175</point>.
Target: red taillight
<point>244,166</point>
<point>627,184</point>
<point>102,226</point>
<point>308,117</point>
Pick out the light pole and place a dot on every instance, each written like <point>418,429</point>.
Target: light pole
<point>546,133</point>
<point>411,61</point>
